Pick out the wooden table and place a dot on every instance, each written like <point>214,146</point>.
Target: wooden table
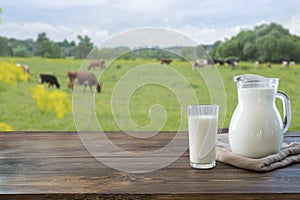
<point>56,165</point>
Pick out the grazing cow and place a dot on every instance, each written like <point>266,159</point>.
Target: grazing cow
<point>292,63</point>
<point>166,61</point>
<point>200,63</point>
<point>97,63</point>
<point>219,62</point>
<point>258,63</point>
<point>48,78</point>
<point>203,62</point>
<point>285,63</point>
<point>24,67</point>
<point>87,78</point>
<point>288,63</point>
<point>232,62</point>
<point>72,77</point>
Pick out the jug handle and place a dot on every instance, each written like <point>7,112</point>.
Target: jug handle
<point>286,110</point>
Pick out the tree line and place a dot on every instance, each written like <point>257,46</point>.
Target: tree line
<point>265,43</point>
<point>44,47</point>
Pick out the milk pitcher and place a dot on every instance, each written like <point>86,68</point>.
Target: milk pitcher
<point>256,128</point>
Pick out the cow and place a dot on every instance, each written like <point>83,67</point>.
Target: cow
<point>84,78</point>
<point>24,67</point>
<point>203,62</point>
<point>72,77</point>
<point>292,63</point>
<point>219,62</point>
<point>200,63</point>
<point>232,62</point>
<point>48,78</point>
<point>97,63</point>
<point>257,63</point>
<point>287,63</point>
<point>166,61</point>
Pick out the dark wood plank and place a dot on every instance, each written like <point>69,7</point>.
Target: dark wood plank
<point>57,166</point>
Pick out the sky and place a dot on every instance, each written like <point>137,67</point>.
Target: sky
<point>204,21</point>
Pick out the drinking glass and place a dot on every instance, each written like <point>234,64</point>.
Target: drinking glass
<point>203,129</point>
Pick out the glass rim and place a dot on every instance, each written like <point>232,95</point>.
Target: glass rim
<point>267,80</point>
<point>199,105</point>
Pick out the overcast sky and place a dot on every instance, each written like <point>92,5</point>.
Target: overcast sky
<point>204,21</point>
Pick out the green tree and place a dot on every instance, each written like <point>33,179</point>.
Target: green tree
<point>84,47</point>
<point>41,38</point>
<point>21,52</point>
<point>286,46</point>
<point>67,48</point>
<point>22,48</point>
<point>47,48</point>
<point>5,49</point>
<point>271,48</point>
<point>52,50</point>
<point>267,42</point>
<point>296,52</point>
<point>215,51</point>
<point>40,45</point>
<point>249,51</point>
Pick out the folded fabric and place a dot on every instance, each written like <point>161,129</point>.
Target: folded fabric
<point>289,153</point>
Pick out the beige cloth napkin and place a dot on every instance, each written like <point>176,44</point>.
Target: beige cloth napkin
<point>289,153</point>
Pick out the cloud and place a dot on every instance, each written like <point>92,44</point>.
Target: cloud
<point>293,25</point>
<point>54,4</point>
<point>204,21</point>
<point>56,33</point>
<point>209,35</point>
<point>97,36</point>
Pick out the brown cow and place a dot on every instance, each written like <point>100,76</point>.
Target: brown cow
<point>97,63</point>
<point>72,77</point>
<point>84,78</point>
<point>166,61</point>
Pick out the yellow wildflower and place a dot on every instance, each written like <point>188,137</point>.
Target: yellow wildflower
<point>48,101</point>
<point>12,74</point>
<point>5,127</point>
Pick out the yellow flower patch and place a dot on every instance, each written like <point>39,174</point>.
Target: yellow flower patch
<point>5,127</point>
<point>12,74</point>
<point>49,101</point>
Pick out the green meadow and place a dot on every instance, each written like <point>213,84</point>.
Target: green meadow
<point>126,101</point>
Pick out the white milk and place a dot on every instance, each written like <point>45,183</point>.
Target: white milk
<point>256,127</point>
<point>202,138</point>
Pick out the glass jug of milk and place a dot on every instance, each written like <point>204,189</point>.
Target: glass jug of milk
<point>256,128</point>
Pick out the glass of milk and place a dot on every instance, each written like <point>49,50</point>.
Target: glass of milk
<point>203,129</point>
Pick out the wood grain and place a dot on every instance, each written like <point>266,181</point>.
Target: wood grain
<point>51,165</point>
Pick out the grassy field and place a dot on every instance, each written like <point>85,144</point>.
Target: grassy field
<point>19,110</point>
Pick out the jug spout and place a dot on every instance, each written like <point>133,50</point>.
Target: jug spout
<point>248,78</point>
